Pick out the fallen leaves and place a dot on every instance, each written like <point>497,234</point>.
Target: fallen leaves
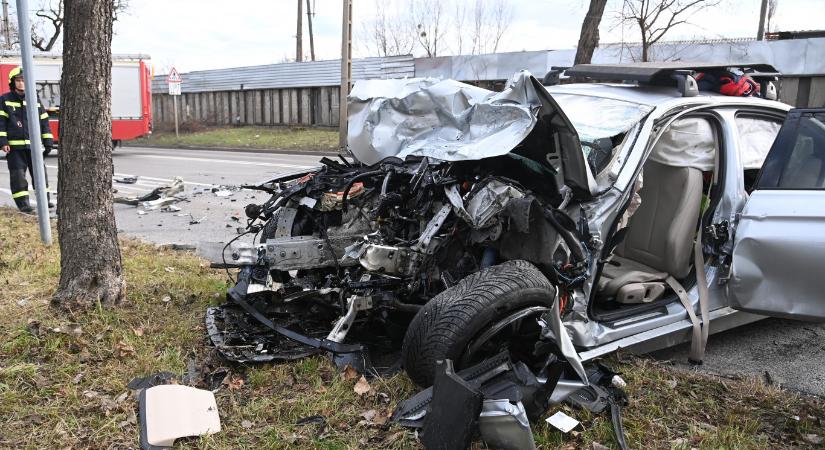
<point>233,383</point>
<point>362,387</point>
<point>349,373</point>
<point>138,331</point>
<point>378,417</point>
<point>124,350</point>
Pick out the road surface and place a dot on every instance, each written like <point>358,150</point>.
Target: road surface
<point>785,352</point>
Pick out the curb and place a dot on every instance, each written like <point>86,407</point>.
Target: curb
<point>274,151</point>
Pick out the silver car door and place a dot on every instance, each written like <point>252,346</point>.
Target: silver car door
<point>778,263</point>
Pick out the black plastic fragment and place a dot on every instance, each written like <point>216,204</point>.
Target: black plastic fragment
<point>452,417</point>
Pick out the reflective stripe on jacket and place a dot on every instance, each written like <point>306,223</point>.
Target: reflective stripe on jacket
<point>14,129</point>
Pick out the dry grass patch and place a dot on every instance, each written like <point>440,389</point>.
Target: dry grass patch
<point>296,138</point>
<point>63,378</point>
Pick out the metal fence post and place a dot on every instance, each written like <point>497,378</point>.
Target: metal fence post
<point>33,117</point>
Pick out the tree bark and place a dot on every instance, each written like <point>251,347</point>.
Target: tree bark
<point>589,37</point>
<point>90,260</point>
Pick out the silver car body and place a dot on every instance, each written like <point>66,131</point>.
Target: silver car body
<point>670,325</point>
<point>393,128</point>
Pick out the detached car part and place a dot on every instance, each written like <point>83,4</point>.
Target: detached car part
<point>169,412</point>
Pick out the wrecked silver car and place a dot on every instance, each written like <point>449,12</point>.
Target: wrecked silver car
<point>553,224</point>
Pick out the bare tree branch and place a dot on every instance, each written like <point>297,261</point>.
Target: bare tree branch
<point>655,18</point>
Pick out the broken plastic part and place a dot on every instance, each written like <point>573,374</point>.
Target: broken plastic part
<point>452,415</point>
<point>169,412</point>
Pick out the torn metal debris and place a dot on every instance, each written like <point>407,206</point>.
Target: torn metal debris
<point>471,224</point>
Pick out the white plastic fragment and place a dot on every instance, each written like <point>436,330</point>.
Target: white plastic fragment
<point>618,382</point>
<point>169,412</point>
<point>562,421</point>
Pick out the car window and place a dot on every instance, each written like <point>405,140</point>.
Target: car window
<point>797,160</point>
<point>601,124</point>
<point>756,134</point>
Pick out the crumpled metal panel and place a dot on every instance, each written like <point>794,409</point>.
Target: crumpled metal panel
<point>778,255</point>
<point>446,120</point>
<point>485,204</point>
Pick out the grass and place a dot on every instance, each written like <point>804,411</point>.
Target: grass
<point>247,137</point>
<point>63,379</point>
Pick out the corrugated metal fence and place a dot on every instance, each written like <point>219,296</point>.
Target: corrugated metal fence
<point>306,93</point>
<point>303,93</point>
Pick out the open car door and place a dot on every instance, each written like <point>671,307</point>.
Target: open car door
<point>778,266</point>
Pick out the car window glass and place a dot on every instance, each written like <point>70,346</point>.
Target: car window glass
<point>805,164</point>
<point>756,134</point>
<point>601,124</point>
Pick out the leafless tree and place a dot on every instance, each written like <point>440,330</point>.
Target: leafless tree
<point>435,27</point>
<point>48,25</point>
<point>388,33</point>
<point>430,24</point>
<point>654,18</point>
<point>589,37</point>
<point>490,20</point>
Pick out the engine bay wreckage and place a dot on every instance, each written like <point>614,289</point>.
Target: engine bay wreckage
<point>452,237</point>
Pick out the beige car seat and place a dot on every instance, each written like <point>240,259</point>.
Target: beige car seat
<point>659,237</point>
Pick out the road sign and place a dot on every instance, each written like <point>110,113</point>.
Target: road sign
<point>174,76</point>
<point>174,81</point>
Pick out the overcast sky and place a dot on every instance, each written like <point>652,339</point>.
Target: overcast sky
<point>206,34</point>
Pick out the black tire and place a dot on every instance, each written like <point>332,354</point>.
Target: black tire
<point>448,323</point>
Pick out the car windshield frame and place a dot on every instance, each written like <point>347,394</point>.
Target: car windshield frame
<point>614,142</point>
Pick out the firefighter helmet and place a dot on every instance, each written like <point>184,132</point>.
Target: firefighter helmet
<point>16,72</point>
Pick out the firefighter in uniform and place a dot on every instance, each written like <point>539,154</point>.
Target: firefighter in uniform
<point>15,140</point>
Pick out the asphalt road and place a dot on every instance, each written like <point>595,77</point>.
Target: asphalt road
<point>785,352</point>
<point>201,170</point>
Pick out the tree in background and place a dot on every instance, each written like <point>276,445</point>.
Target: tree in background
<point>48,25</point>
<point>430,24</point>
<point>654,18</point>
<point>589,37</point>
<point>387,34</point>
<point>490,19</point>
<point>90,261</point>
<point>436,27</point>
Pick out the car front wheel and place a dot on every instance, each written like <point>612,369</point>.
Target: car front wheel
<point>487,312</point>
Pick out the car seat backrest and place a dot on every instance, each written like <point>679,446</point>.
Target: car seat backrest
<point>660,234</point>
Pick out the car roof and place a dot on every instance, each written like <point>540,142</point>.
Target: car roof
<point>650,95</point>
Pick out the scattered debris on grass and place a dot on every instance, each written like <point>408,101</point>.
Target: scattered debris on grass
<point>66,388</point>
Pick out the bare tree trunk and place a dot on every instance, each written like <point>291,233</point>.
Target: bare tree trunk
<point>645,50</point>
<point>589,37</point>
<point>90,261</point>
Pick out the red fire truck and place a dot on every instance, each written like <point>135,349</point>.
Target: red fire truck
<point>131,92</point>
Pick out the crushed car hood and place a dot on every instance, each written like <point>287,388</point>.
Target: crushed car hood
<point>453,121</point>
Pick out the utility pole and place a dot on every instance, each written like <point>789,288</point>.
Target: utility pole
<point>346,72</point>
<point>299,33</point>
<point>33,117</point>
<point>760,35</point>
<point>6,30</point>
<point>311,39</point>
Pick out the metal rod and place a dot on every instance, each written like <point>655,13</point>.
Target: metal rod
<point>760,34</point>
<point>33,117</point>
<point>175,105</point>
<point>311,39</point>
<point>6,30</point>
<point>346,72</point>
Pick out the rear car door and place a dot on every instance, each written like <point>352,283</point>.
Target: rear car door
<point>778,263</point>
